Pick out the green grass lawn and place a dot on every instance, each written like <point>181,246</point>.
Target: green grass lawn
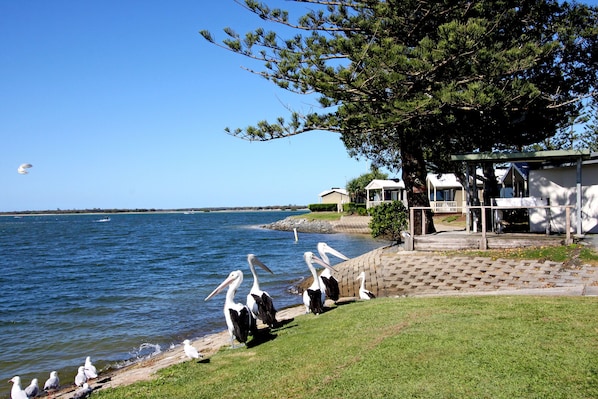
<point>464,347</point>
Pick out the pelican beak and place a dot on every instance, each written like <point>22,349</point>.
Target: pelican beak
<point>322,246</point>
<point>258,262</point>
<point>322,263</point>
<point>222,286</point>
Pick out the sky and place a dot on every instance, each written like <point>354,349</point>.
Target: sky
<point>122,104</point>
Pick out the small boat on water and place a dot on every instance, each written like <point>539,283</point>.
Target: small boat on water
<point>106,219</point>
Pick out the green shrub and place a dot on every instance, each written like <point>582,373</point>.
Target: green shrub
<point>323,207</point>
<point>388,220</point>
<point>352,208</point>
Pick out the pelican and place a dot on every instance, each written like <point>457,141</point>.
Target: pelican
<point>238,317</point>
<point>53,382</point>
<point>326,277</point>
<point>80,378</point>
<point>260,302</point>
<point>17,392</point>
<point>363,293</point>
<point>90,369</point>
<point>314,297</point>
<point>190,350</point>
<point>33,389</point>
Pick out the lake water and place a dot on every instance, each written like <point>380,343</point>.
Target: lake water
<point>72,286</point>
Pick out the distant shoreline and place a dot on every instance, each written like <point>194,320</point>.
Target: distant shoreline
<point>292,208</point>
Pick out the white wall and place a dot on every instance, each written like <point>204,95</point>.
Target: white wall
<point>559,185</point>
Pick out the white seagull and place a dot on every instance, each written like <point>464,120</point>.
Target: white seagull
<point>363,293</point>
<point>314,296</point>
<point>33,389</point>
<point>80,378</point>
<point>260,302</point>
<point>53,382</point>
<point>190,350</point>
<point>83,392</point>
<point>22,169</point>
<point>327,279</point>
<point>17,392</point>
<point>238,316</point>
<point>90,369</point>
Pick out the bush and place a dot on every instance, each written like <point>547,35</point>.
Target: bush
<point>388,220</point>
<point>323,207</point>
<point>351,208</point>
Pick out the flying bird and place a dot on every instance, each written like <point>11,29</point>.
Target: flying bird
<point>238,316</point>
<point>32,389</point>
<point>53,382</point>
<point>260,302</point>
<point>83,392</point>
<point>327,279</point>
<point>22,170</point>
<point>363,293</point>
<point>314,296</point>
<point>80,378</point>
<point>90,369</point>
<point>17,392</point>
<point>190,350</point>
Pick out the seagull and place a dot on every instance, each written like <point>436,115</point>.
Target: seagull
<point>17,392</point>
<point>80,378</point>
<point>238,316</point>
<point>90,369</point>
<point>190,351</point>
<point>53,382</point>
<point>22,170</point>
<point>363,293</point>
<point>327,279</point>
<point>83,392</point>
<point>260,302</point>
<point>33,389</point>
<point>314,297</point>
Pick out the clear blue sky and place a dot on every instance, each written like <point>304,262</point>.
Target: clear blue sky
<point>122,104</point>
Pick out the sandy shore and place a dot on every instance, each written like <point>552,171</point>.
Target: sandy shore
<point>146,369</point>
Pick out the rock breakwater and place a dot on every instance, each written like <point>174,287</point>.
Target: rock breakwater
<point>302,226</point>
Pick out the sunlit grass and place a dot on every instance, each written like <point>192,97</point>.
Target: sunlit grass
<point>468,347</point>
<point>581,254</point>
<point>330,216</point>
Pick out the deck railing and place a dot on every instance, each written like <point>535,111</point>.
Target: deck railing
<point>480,211</point>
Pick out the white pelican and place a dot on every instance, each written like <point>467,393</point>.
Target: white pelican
<point>238,317</point>
<point>326,277</point>
<point>17,392</point>
<point>260,302</point>
<point>363,293</point>
<point>53,382</point>
<point>314,297</point>
<point>80,378</point>
<point>22,169</point>
<point>33,389</point>
<point>190,350</point>
<point>90,369</point>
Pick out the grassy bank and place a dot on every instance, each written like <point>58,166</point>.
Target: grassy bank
<point>467,347</point>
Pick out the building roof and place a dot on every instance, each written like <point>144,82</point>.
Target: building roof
<point>341,191</point>
<point>536,156</point>
<point>378,184</point>
<point>445,180</point>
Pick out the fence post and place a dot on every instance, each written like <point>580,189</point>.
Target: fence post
<point>484,243</point>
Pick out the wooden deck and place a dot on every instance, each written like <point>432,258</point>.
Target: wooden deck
<point>456,240</point>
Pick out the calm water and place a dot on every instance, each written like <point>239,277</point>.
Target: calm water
<point>72,287</point>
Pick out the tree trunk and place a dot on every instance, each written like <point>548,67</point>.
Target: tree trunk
<point>414,175</point>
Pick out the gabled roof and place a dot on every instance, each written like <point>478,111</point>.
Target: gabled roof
<point>341,191</point>
<point>392,184</point>
<point>445,180</point>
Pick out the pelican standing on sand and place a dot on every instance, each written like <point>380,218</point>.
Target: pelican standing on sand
<point>16,391</point>
<point>260,302</point>
<point>363,293</point>
<point>238,317</point>
<point>327,279</point>
<point>314,296</point>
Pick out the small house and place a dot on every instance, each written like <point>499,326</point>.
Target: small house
<point>338,196</point>
<point>380,191</point>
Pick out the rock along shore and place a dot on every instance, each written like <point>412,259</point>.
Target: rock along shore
<point>346,224</point>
